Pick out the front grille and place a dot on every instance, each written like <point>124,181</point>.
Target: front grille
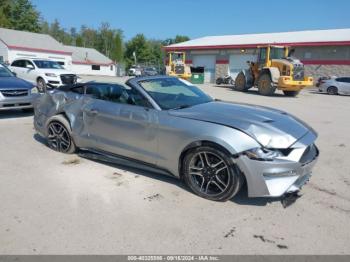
<point>68,79</point>
<point>309,155</point>
<point>179,69</point>
<point>14,93</point>
<point>298,72</point>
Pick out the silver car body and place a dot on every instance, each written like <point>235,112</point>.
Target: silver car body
<point>160,137</point>
<point>16,93</point>
<point>341,83</point>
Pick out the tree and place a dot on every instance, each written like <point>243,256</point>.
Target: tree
<point>139,45</point>
<point>177,39</point>
<point>23,16</point>
<point>117,54</point>
<point>5,10</point>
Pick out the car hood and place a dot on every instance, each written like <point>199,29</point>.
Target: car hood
<point>270,127</point>
<point>14,83</point>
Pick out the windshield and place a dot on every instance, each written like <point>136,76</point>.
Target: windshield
<point>276,53</point>
<point>4,72</point>
<point>47,64</point>
<point>174,93</point>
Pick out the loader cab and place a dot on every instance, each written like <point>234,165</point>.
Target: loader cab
<point>267,53</point>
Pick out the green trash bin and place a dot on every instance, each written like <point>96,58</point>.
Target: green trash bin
<point>197,75</point>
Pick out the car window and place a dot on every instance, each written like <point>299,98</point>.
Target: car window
<point>117,94</point>
<point>173,93</point>
<point>19,63</point>
<point>341,79</point>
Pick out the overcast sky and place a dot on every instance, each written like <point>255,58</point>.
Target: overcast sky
<point>162,19</point>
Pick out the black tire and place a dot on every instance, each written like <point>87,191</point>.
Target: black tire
<point>217,183</point>
<point>59,135</point>
<point>291,93</point>
<point>41,84</point>
<point>332,90</point>
<point>27,110</point>
<point>265,85</point>
<point>219,81</point>
<point>240,83</point>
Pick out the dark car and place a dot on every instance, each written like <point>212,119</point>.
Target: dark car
<point>150,71</point>
<point>15,93</point>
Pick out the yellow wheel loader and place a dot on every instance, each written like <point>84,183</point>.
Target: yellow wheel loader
<point>176,65</point>
<point>275,68</point>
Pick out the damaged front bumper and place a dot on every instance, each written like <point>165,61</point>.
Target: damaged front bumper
<point>283,175</point>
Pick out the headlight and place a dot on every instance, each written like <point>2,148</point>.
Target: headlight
<point>263,154</point>
<point>34,90</point>
<point>51,74</point>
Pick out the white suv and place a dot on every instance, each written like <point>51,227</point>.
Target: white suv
<point>42,72</point>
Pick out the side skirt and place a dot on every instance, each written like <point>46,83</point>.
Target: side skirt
<point>123,161</point>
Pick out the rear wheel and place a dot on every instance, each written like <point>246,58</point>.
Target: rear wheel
<point>211,174</point>
<point>41,84</point>
<point>240,83</point>
<point>291,93</point>
<point>265,85</point>
<point>219,81</point>
<point>59,135</point>
<point>332,90</point>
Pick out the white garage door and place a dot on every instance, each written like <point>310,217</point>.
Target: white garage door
<point>239,62</point>
<point>208,62</point>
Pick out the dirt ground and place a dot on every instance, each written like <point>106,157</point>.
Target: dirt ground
<point>58,204</point>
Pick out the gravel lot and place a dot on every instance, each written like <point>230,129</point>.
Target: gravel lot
<point>58,204</point>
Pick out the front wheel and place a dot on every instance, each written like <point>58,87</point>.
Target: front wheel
<point>210,173</point>
<point>59,135</point>
<point>332,90</point>
<point>291,93</point>
<point>265,85</point>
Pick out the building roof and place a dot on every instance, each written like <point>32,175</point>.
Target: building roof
<point>299,38</point>
<point>88,56</point>
<point>35,42</point>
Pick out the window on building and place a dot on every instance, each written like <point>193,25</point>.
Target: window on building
<point>96,67</point>
<point>1,59</point>
<point>112,67</point>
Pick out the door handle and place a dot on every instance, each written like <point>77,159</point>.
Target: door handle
<point>92,112</point>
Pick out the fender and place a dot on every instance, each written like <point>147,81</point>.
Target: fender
<point>274,73</point>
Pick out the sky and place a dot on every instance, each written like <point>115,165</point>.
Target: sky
<point>161,19</point>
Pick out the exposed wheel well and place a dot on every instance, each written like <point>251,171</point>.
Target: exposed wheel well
<point>39,77</point>
<point>195,145</point>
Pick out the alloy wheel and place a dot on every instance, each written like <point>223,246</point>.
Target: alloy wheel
<point>209,173</point>
<point>58,137</point>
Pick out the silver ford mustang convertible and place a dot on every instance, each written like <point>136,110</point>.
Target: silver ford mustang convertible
<point>168,125</point>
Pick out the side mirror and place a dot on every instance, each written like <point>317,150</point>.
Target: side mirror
<point>30,66</point>
<point>15,74</point>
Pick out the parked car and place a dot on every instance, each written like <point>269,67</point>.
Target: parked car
<point>15,93</point>
<point>135,71</point>
<point>335,85</point>
<point>169,125</point>
<point>43,73</point>
<point>149,71</point>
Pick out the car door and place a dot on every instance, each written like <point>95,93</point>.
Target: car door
<point>346,86</point>
<point>119,124</point>
<point>29,72</point>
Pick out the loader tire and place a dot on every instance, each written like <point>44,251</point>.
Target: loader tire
<point>291,93</point>
<point>240,83</point>
<point>265,85</point>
